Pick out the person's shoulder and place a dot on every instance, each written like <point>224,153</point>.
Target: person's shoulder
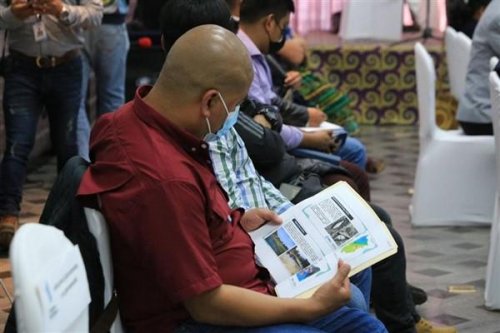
<point>106,124</point>
<point>489,21</point>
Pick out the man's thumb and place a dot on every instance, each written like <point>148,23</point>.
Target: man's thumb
<point>342,271</point>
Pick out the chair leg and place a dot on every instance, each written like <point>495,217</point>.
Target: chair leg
<point>6,291</point>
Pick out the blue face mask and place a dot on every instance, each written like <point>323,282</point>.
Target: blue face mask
<point>231,119</point>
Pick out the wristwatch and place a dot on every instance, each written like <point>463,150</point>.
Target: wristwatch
<point>64,15</point>
<point>272,116</point>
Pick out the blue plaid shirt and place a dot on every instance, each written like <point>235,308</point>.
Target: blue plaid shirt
<point>237,175</point>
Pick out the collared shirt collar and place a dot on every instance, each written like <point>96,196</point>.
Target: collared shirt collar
<point>250,45</point>
<point>194,146</point>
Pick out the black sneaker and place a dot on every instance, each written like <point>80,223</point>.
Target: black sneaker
<point>419,295</point>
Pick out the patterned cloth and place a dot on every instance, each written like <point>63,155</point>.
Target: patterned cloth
<point>336,104</point>
<point>380,81</point>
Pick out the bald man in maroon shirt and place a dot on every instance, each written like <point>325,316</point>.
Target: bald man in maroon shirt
<point>180,254</point>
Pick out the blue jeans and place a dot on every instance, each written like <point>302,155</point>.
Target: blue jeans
<point>108,48</point>
<point>361,285</point>
<point>343,320</point>
<point>109,61</point>
<point>353,151</point>
<point>82,125</point>
<point>28,91</point>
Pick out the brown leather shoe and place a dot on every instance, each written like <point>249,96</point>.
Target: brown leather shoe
<point>425,326</point>
<point>8,226</point>
<point>374,165</point>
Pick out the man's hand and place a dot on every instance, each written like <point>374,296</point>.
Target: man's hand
<point>294,50</point>
<point>51,7</point>
<point>256,217</point>
<point>336,292</point>
<point>316,117</point>
<point>21,9</point>
<point>319,140</point>
<point>293,79</point>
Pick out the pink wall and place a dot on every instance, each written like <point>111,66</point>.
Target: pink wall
<point>314,15</point>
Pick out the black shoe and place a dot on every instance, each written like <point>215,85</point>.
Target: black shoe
<point>418,295</point>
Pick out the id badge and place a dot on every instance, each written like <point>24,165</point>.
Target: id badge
<point>39,31</point>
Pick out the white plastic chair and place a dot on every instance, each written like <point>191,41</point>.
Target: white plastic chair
<point>98,228</point>
<point>492,289</point>
<point>462,53</point>
<point>450,36</point>
<point>454,181</point>
<point>50,283</point>
<point>493,63</point>
<point>381,19</point>
<point>458,48</point>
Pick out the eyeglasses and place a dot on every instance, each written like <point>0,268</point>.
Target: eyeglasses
<point>282,30</point>
<point>285,27</point>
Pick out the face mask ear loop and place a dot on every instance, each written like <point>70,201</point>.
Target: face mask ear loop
<point>223,103</point>
<point>208,125</point>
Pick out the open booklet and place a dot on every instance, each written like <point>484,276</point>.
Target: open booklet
<point>338,132</point>
<point>303,252</point>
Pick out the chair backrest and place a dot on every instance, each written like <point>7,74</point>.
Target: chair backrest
<point>65,212</point>
<point>493,63</point>
<point>51,287</point>
<point>426,93</point>
<point>450,36</point>
<point>98,227</point>
<point>462,53</point>
<point>381,19</point>
<point>495,117</point>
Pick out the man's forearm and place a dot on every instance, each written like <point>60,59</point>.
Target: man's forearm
<point>7,19</point>
<point>234,306</point>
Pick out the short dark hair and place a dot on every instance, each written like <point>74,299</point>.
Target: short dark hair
<point>474,5</point>
<point>232,3</point>
<point>253,10</point>
<point>179,16</point>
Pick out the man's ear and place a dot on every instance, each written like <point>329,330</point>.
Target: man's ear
<point>269,21</point>
<point>207,101</point>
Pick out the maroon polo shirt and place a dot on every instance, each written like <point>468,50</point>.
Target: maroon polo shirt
<point>173,235</point>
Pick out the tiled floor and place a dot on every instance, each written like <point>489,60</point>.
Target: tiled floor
<point>437,257</point>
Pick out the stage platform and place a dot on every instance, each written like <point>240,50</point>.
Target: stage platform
<point>380,77</point>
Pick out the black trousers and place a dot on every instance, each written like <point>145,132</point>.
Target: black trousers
<point>476,128</point>
<point>391,298</point>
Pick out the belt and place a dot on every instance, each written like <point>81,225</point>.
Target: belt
<point>47,61</point>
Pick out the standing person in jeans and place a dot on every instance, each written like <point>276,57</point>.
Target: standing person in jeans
<point>43,71</point>
<point>106,53</point>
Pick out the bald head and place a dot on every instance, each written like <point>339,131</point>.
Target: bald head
<point>206,57</point>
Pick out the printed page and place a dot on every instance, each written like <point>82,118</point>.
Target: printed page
<point>297,258</point>
<point>337,131</point>
<point>303,252</point>
<point>323,126</point>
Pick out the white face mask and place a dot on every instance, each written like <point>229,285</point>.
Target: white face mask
<point>231,119</point>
